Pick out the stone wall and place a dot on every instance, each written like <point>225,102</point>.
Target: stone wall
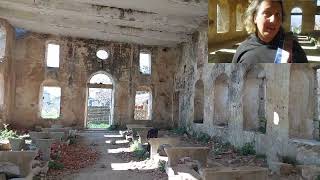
<point>78,62</point>
<point>7,78</point>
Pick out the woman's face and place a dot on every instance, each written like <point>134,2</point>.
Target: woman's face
<point>268,20</point>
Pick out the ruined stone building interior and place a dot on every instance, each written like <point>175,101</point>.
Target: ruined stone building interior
<point>140,89</point>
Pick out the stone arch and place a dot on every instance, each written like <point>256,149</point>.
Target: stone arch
<point>100,100</point>
<point>223,16</point>
<point>221,100</point>
<point>254,99</point>
<point>198,102</point>
<point>301,99</point>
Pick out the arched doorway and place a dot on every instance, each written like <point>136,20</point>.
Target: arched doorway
<point>99,108</point>
<point>296,20</point>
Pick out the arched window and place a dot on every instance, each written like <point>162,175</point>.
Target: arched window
<point>223,16</point>
<point>2,42</point>
<point>198,102</point>
<point>50,105</point>
<point>143,105</point>
<point>52,55</point>
<point>239,14</point>
<point>296,20</point>
<point>254,101</point>
<point>221,100</point>
<point>100,79</point>
<point>145,62</point>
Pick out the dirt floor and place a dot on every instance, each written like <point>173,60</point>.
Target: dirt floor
<point>108,156</point>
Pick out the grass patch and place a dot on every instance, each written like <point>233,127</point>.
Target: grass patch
<point>98,125</point>
<point>162,166</point>
<point>247,149</point>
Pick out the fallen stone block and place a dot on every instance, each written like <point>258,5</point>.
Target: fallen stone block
<point>44,146</point>
<point>38,135</point>
<point>238,173</point>
<point>23,159</point>
<point>182,172</point>
<point>195,153</point>
<point>155,143</point>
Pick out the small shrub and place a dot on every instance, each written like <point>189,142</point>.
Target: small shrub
<point>55,165</point>
<point>203,137</point>
<point>138,150</point>
<point>162,166</point>
<point>6,133</point>
<point>247,149</point>
<point>72,140</point>
<point>318,177</point>
<point>140,154</point>
<point>289,160</point>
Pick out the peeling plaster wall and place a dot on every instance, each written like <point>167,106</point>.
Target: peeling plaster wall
<point>78,62</point>
<point>7,74</point>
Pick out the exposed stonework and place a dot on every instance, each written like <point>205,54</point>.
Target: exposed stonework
<point>258,95</point>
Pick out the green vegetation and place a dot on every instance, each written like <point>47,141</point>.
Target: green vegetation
<point>138,150</point>
<point>318,177</point>
<point>221,146</point>
<point>289,160</point>
<point>162,166</point>
<point>6,133</point>
<point>262,125</point>
<point>98,125</point>
<point>247,149</point>
<point>202,137</point>
<point>179,131</point>
<point>113,127</point>
<point>55,165</point>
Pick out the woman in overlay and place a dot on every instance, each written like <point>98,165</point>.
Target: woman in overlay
<point>268,43</point>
